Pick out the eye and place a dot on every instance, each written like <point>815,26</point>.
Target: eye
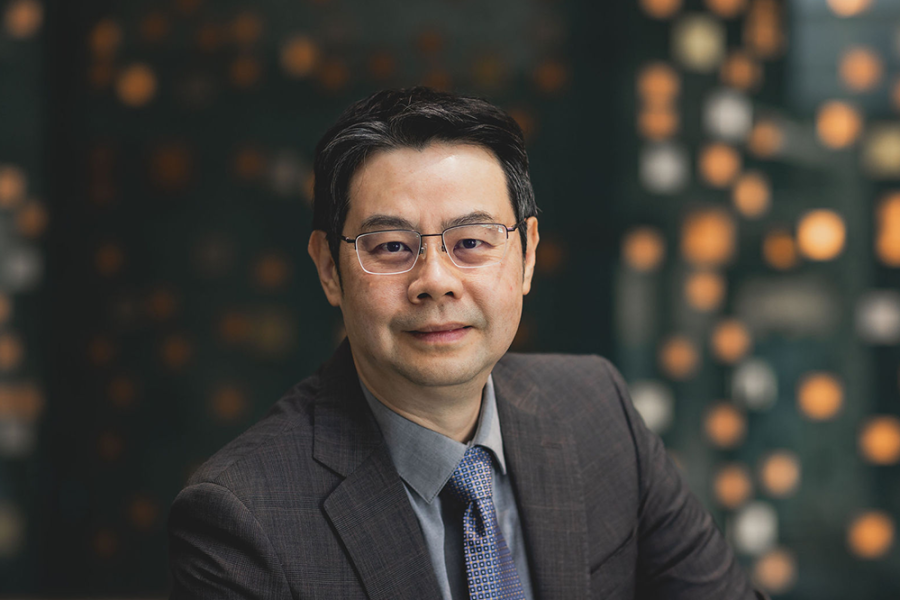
<point>392,247</point>
<point>469,244</point>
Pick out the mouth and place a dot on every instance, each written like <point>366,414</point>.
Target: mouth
<point>441,333</point>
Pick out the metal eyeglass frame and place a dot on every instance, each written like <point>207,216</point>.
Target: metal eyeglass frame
<point>421,251</point>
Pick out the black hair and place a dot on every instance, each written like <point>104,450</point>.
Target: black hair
<point>413,118</point>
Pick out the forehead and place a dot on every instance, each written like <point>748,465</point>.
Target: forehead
<point>439,181</point>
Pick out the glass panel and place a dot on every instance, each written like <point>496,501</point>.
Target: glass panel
<point>476,245</point>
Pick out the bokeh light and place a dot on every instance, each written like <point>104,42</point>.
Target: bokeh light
<point>299,56</point>
<point>12,351</point>
<point>779,473</point>
<point>272,271</point>
<point>660,9</point>
<point>644,249</point>
<point>658,84</point>
<point>551,76</point>
<point>154,27</point>
<point>728,114</point>
<point>730,341</point>
<point>247,28</point>
<point>820,396</point>
<point>228,403</point>
<point>756,528</point>
<point>879,441</point>
<point>776,571</point>
<point>752,194</point>
<point>881,151</point>
<point>704,290</point>
<point>657,122</point>
<point>725,425</point>
<point>754,384</point>
<point>664,168</point>
<point>741,71</point>
<point>838,124</point>
<point>698,42</point>
<point>245,72</point>
<point>171,166</point>
<point>6,308</point>
<point>105,38</point>
<point>848,8</point>
<point>122,391</point>
<point>678,358</point>
<point>655,403</point>
<point>12,186</point>
<point>12,530</point>
<point>176,351</point>
<point>821,235</point>
<point>878,317</point>
<point>763,33</point>
<point>732,486</point>
<point>708,238</point>
<point>860,69</point>
<point>719,164</point>
<point>727,9</point>
<point>887,225</point>
<point>766,139</point>
<point>143,513</point>
<point>31,219</point>
<point>23,18</point>
<point>109,259</point>
<point>780,250</point>
<point>871,535</point>
<point>136,85</point>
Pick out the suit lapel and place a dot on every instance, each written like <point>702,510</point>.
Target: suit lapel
<point>543,465</point>
<point>369,509</point>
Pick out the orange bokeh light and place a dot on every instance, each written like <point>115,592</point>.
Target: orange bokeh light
<point>660,9</point>
<point>136,85</point>
<point>727,8</point>
<point>887,226</point>
<point>848,8</point>
<point>12,186</point>
<point>879,441</point>
<point>122,391</point>
<point>31,219</point>
<point>725,425</point>
<point>154,27</point>
<point>176,351</point>
<point>105,38</point>
<point>657,122</point>
<point>751,194</point>
<point>299,56</point>
<point>766,139</point>
<point>245,72</point>
<point>705,290</point>
<point>708,238</point>
<point>838,124</point>
<point>228,403</point>
<point>23,18</point>
<point>730,341</point>
<point>780,474</point>
<point>551,76</point>
<point>719,164</point>
<point>247,28</point>
<point>644,249</point>
<point>272,271</point>
<point>6,308</point>
<point>11,352</point>
<point>860,69</point>
<point>821,235</point>
<point>820,396</point>
<point>109,259</point>
<point>763,32</point>
<point>776,571</point>
<point>779,250</point>
<point>333,74</point>
<point>678,358</point>
<point>658,84</point>
<point>143,513</point>
<point>732,486</point>
<point>741,71</point>
<point>871,535</point>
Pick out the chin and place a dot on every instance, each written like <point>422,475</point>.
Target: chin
<point>441,373</point>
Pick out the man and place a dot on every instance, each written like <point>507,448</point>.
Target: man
<point>423,461</point>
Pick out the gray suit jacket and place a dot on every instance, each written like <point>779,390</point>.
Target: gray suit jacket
<point>307,503</point>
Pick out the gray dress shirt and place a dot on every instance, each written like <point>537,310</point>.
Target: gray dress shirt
<point>425,461</point>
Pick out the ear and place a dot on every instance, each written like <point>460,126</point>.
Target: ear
<point>320,253</point>
<point>533,238</point>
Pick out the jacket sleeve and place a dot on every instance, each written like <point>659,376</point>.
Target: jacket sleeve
<point>681,553</point>
<point>217,548</point>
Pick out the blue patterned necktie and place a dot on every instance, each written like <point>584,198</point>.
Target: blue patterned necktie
<point>490,569</point>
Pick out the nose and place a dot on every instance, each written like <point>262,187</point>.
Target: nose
<point>434,275</point>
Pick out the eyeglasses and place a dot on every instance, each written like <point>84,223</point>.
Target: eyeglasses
<point>396,251</point>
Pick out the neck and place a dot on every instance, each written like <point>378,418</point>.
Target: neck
<point>449,410</point>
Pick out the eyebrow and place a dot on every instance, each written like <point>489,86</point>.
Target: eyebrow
<point>379,222</point>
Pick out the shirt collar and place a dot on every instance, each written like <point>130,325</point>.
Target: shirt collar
<point>426,459</point>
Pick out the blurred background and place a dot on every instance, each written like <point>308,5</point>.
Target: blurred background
<point>720,186</point>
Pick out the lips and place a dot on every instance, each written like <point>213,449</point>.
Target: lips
<point>443,333</point>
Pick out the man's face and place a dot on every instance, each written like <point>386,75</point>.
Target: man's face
<point>438,324</point>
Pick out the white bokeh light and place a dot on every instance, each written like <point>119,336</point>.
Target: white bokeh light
<point>878,317</point>
<point>728,115</point>
<point>698,42</point>
<point>655,403</point>
<point>754,384</point>
<point>756,528</point>
<point>664,168</point>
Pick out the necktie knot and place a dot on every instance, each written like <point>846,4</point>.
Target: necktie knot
<point>471,481</point>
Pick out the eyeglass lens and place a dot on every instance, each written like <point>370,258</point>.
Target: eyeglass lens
<point>396,251</point>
